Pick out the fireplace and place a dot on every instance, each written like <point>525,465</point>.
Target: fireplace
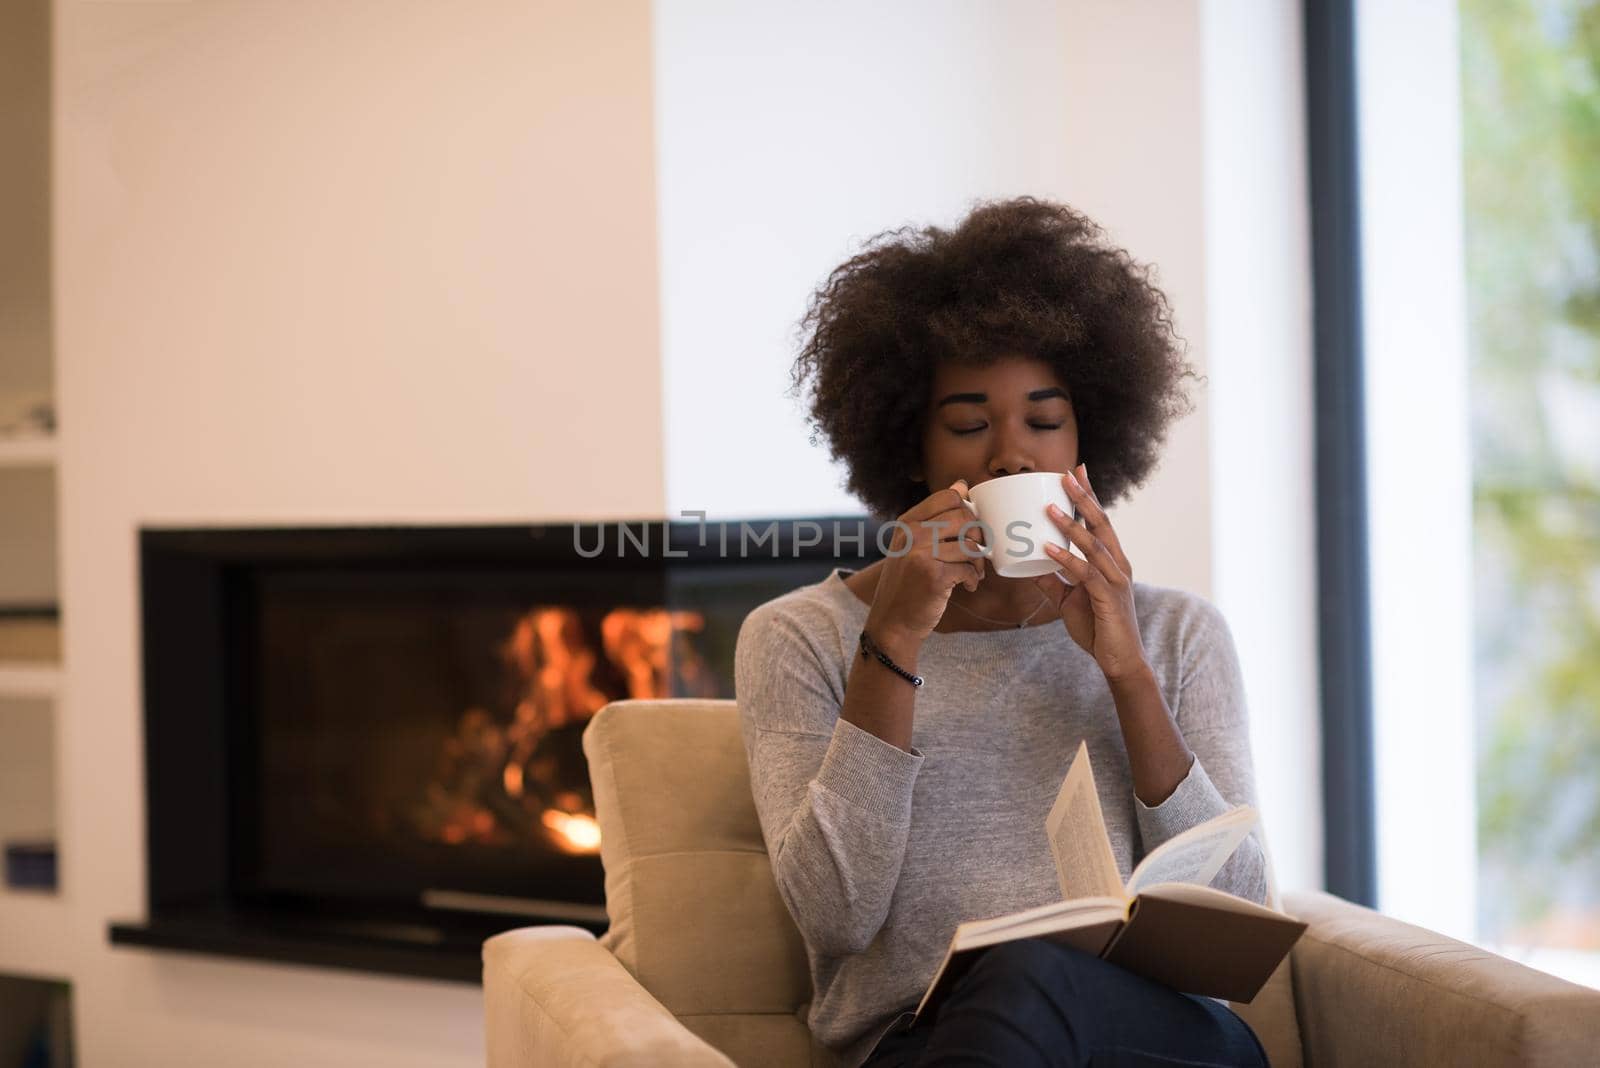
<point>362,745</point>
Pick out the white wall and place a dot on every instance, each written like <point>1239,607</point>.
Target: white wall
<point>325,263</point>
<point>1137,166</point>
<point>847,119</point>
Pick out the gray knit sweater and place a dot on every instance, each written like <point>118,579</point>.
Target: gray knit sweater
<point>879,853</point>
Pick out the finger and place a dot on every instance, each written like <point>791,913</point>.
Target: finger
<point>1082,475</point>
<point>969,537</point>
<point>966,573</point>
<point>944,500</point>
<point>971,546</point>
<point>1074,594</point>
<point>1094,550</point>
<point>976,535</point>
<point>959,553</point>
<point>1094,516</point>
<point>975,546</point>
<point>1079,572</point>
<point>949,525</point>
<point>954,518</point>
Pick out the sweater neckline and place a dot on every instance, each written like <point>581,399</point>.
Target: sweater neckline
<point>1021,636</point>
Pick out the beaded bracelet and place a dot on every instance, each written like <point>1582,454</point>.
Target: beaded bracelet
<point>868,646</point>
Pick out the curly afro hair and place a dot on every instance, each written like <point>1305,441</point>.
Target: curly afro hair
<point>1022,276</point>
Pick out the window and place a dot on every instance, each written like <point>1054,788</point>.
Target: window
<point>1479,181</point>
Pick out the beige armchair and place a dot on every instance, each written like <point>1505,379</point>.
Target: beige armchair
<point>702,965</point>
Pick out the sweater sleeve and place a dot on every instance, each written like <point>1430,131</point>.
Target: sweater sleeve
<point>834,800</point>
<point>1211,715</point>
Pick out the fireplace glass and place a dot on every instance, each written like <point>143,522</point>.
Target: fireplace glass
<point>363,746</point>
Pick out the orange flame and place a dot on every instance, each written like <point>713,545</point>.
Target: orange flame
<point>555,668</point>
<point>575,832</point>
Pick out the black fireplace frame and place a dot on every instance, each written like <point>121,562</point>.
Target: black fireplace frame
<point>192,844</point>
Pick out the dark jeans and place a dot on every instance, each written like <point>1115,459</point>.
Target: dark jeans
<point>1035,1002</point>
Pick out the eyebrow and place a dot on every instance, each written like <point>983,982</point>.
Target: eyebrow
<point>983,398</point>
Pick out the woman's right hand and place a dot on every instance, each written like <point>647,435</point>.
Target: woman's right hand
<point>924,564</point>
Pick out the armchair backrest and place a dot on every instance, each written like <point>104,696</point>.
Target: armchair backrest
<point>694,911</point>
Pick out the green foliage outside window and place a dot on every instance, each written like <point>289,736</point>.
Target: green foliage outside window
<point>1531,147</point>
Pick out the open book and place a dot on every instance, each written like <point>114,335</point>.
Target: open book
<point>1165,923</point>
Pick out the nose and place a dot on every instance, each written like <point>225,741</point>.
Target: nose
<point>1009,456</point>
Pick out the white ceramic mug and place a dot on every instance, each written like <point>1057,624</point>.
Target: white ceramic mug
<point>1016,525</point>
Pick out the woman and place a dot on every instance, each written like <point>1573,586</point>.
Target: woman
<point>936,360</point>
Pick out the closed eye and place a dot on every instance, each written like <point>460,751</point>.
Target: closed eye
<point>962,432</point>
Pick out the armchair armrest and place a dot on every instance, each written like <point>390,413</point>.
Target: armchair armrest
<point>1370,989</point>
<point>553,996</point>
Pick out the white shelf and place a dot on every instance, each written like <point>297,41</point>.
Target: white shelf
<point>34,934</point>
<point>29,680</point>
<point>28,452</point>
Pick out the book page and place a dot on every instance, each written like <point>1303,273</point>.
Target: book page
<point>1077,833</point>
<point>1106,915</point>
<point>1090,931</point>
<point>1206,897</point>
<point>1059,913</point>
<point>1196,855</point>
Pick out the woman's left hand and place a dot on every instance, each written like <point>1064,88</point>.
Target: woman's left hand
<point>1097,606</point>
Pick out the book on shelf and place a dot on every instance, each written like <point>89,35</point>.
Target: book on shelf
<point>1164,923</point>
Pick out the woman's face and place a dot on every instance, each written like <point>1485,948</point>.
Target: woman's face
<point>987,422</point>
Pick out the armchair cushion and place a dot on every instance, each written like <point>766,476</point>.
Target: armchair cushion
<point>1374,990</point>
<point>694,912</point>
<point>554,997</point>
